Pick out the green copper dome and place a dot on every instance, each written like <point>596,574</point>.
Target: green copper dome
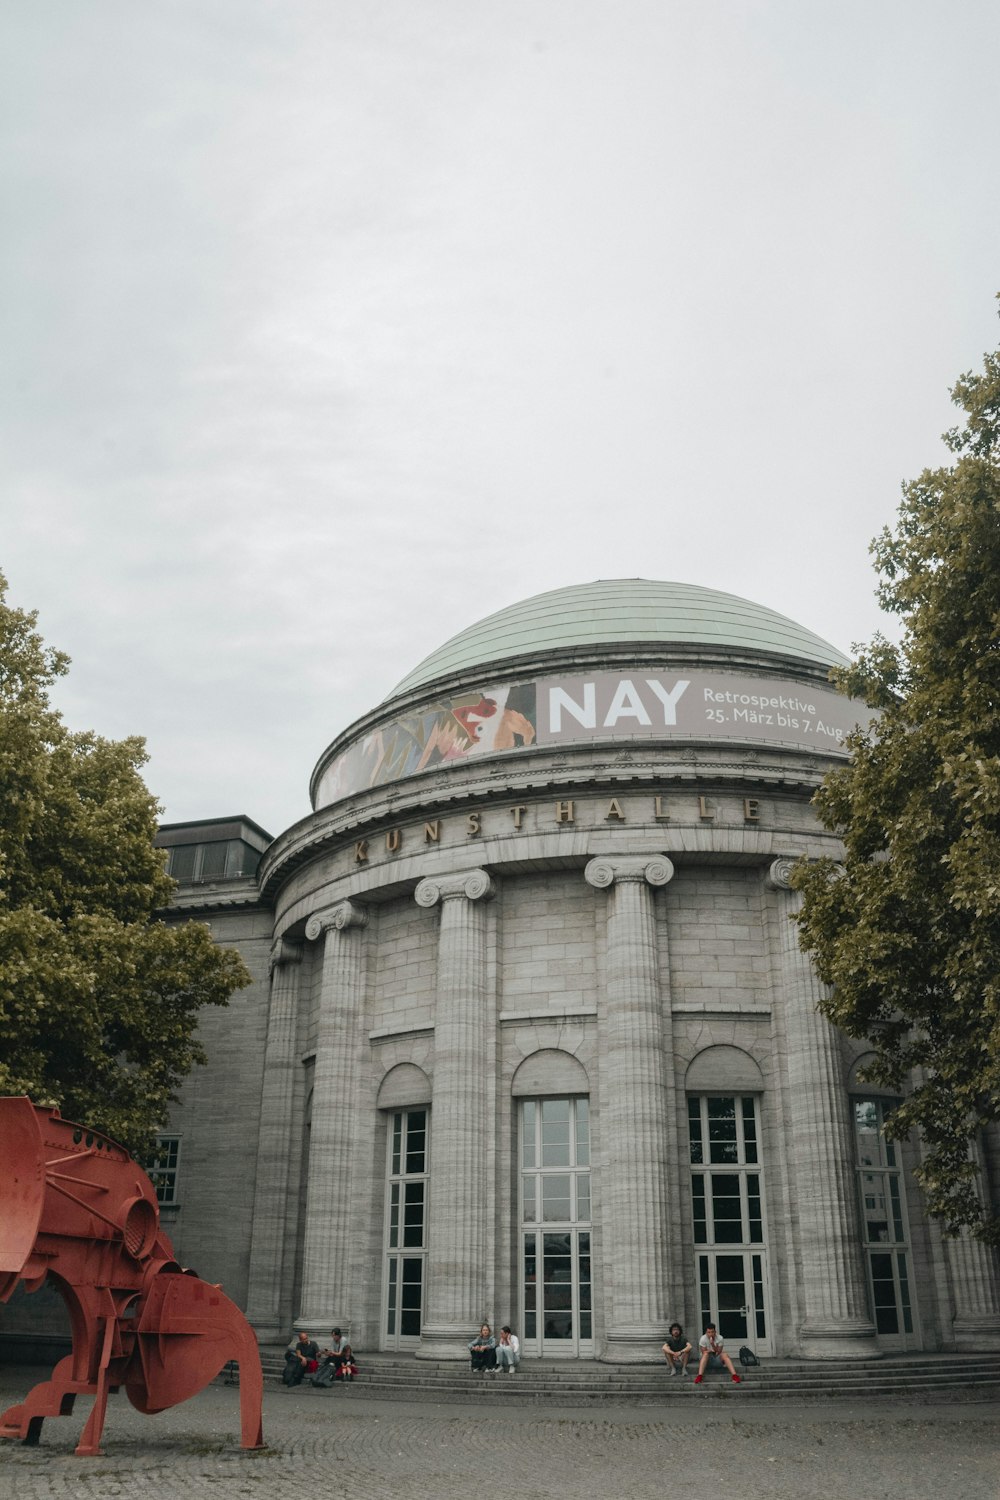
<point>617,611</point>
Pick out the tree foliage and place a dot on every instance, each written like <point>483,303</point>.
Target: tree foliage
<point>907,931</point>
<point>99,999</point>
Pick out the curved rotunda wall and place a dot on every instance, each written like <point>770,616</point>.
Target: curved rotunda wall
<point>613,662</point>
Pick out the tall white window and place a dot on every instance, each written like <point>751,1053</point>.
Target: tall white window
<point>405,1227</point>
<point>884,1220</point>
<point>557,1316</point>
<point>727,1200</point>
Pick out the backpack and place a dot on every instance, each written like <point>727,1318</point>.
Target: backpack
<point>325,1374</point>
<point>748,1357</point>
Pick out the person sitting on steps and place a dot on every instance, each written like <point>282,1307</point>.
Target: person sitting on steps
<point>508,1350</point>
<point>677,1350</point>
<point>713,1355</point>
<point>301,1358</point>
<point>335,1352</point>
<point>483,1350</point>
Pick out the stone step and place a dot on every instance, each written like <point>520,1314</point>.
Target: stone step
<point>947,1376</point>
<point>896,1391</point>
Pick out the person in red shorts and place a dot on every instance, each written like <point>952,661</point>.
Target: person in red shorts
<point>713,1355</point>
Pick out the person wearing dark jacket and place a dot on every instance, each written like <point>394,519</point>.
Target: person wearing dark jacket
<point>483,1349</point>
<point>301,1358</point>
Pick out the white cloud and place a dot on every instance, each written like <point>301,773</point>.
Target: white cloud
<point>330,329</point>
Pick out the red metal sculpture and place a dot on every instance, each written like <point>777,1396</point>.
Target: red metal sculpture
<point>76,1209</point>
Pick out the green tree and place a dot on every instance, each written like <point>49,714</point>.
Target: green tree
<point>907,930</point>
<point>99,999</point>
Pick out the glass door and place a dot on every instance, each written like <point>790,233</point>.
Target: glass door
<point>405,1229</point>
<point>556,1303</point>
<point>733,1296</point>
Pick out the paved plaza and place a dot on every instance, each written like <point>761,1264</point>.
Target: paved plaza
<point>345,1443</point>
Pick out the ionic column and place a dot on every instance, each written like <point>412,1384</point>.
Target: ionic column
<point>634,1117</point>
<point>836,1323</point>
<point>328,1287</point>
<point>267,1282</point>
<point>461,1193</point>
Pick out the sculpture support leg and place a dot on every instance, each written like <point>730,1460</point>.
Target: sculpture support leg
<point>89,1445</point>
<point>49,1398</point>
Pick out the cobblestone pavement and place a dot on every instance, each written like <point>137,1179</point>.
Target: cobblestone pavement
<point>354,1445</point>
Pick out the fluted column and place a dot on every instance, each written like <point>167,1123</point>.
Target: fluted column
<point>329,1284</point>
<point>836,1322</point>
<point>267,1281</point>
<point>461,1194</point>
<point>635,1124</point>
<point>973,1270</point>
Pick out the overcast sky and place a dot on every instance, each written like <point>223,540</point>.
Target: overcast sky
<point>329,328</point>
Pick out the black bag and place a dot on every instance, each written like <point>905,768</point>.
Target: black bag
<point>748,1357</point>
<point>292,1373</point>
<point>325,1375</point>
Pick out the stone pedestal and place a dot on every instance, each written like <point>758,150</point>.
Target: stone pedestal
<point>330,1275</point>
<point>267,1280</point>
<point>462,1182</point>
<point>836,1323</point>
<point>635,1122</point>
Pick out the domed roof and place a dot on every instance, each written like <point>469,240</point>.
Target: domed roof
<point>618,611</point>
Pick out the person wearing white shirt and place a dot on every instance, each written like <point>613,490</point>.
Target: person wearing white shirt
<point>713,1355</point>
<point>508,1350</point>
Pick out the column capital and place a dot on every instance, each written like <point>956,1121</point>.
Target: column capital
<point>779,875</point>
<point>608,869</point>
<point>284,951</point>
<point>474,885</point>
<point>344,914</point>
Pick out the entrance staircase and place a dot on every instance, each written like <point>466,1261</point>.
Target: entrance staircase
<point>910,1377</point>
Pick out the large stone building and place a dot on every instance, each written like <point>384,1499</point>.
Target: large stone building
<point>530,1037</point>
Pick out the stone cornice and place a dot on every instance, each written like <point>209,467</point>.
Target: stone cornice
<point>189,901</point>
<point>554,771</point>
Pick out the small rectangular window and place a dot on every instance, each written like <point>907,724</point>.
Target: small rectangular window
<point>749,1131</point>
<point>213,861</point>
<point>723,1149</point>
<point>582,1133</point>
<point>413,1216</point>
<point>555,1133</point>
<point>698,1206</point>
<point>181,862</point>
<point>694,1130</point>
<point>555,1199</point>
<point>528,1143</point>
<point>162,1165</point>
<point>394,1215</point>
